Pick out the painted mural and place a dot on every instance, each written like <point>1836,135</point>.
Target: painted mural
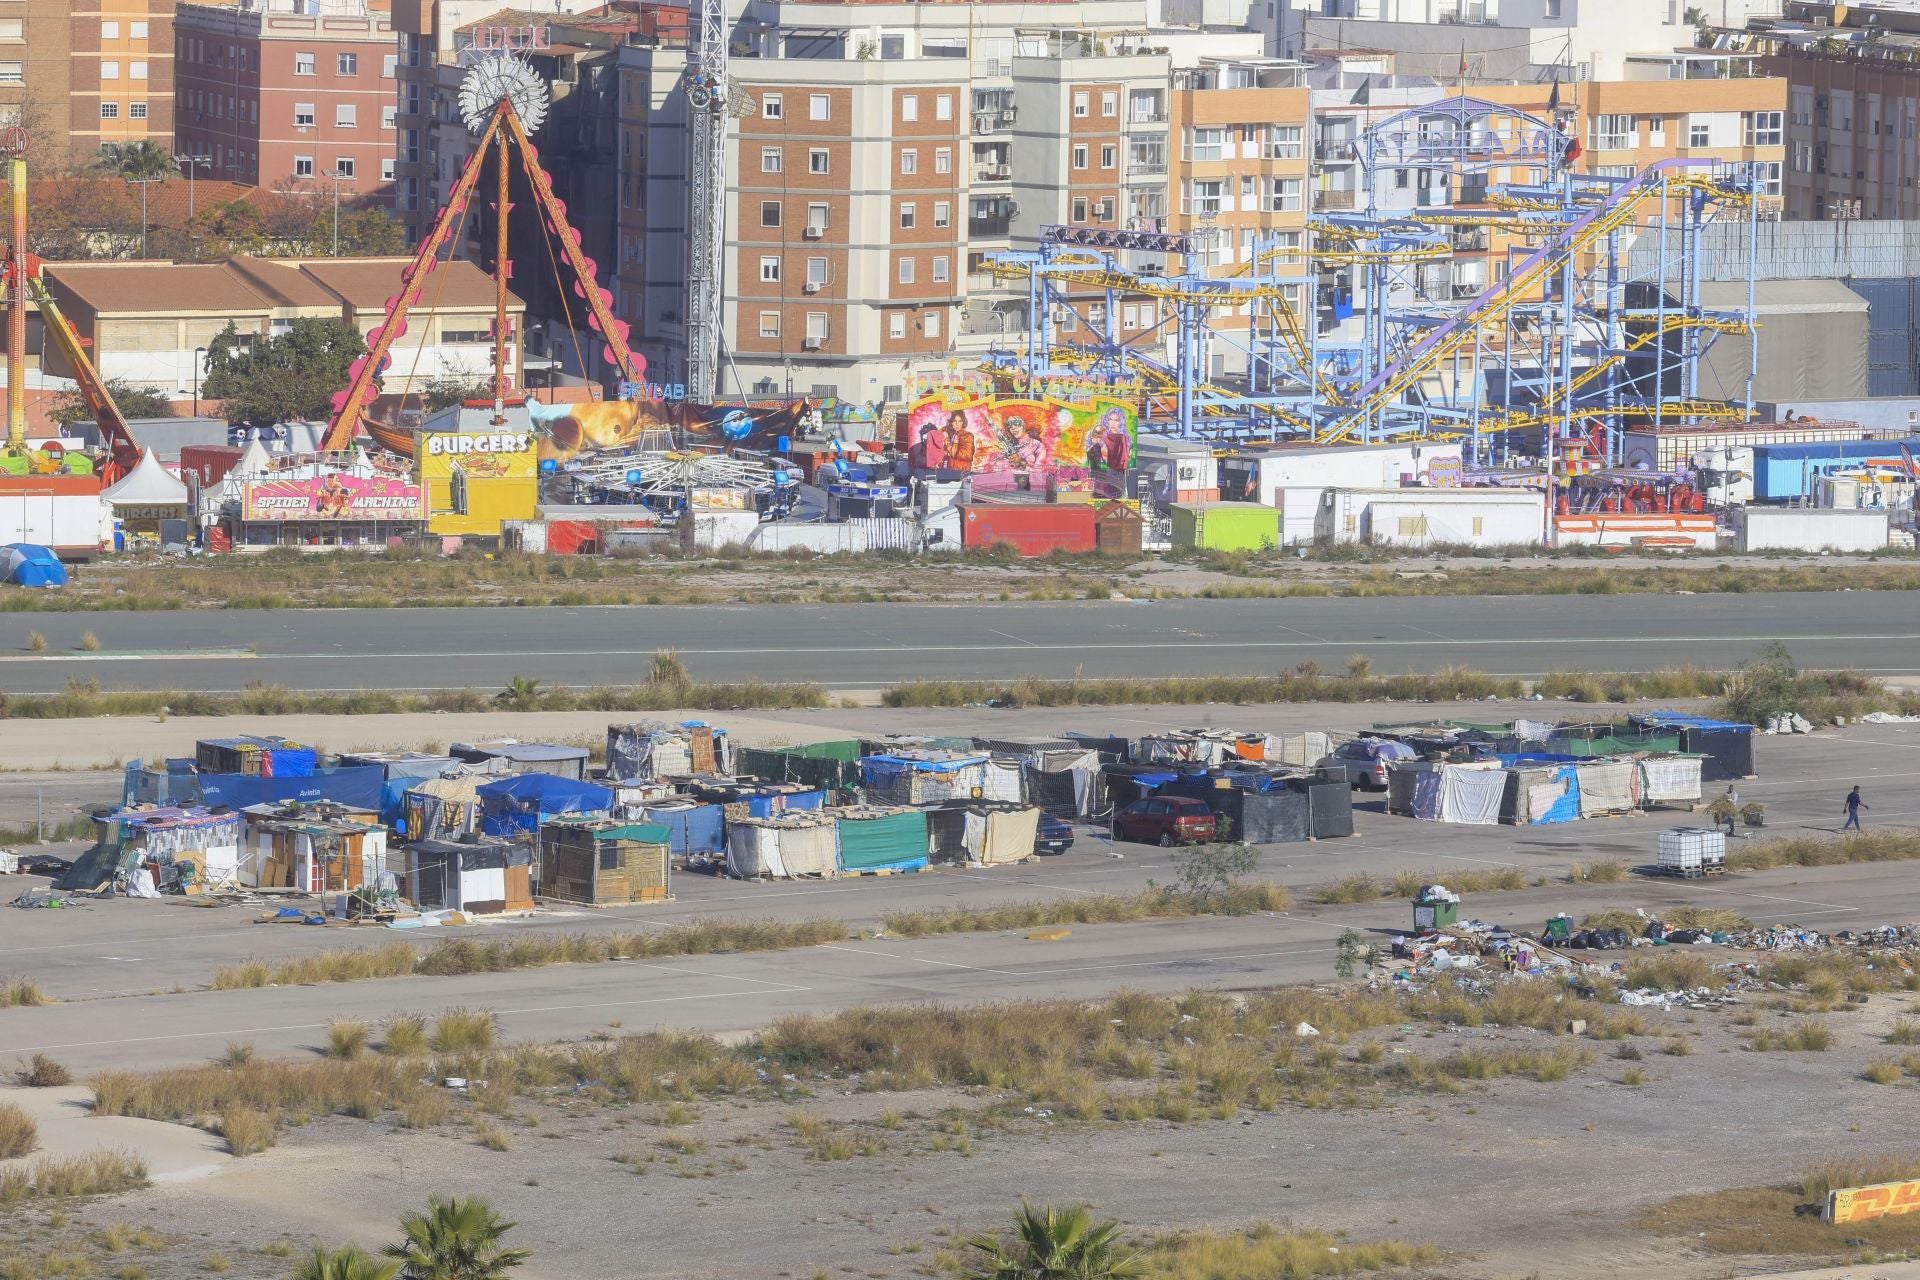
<point>571,429</point>
<point>959,430</point>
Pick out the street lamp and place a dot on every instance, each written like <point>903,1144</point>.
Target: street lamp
<point>199,362</point>
<point>143,184</point>
<point>336,177</point>
<point>187,165</point>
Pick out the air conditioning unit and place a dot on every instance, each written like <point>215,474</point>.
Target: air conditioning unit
<point>811,344</point>
<point>811,286</point>
<point>814,233</point>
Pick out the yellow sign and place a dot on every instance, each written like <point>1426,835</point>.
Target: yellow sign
<point>1880,1200</point>
<point>476,481</point>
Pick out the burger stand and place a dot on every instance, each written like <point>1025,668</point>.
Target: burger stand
<point>475,481</point>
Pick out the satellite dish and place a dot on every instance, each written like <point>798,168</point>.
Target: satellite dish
<point>499,78</point>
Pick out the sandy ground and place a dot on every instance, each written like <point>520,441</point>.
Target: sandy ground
<point>67,1127</point>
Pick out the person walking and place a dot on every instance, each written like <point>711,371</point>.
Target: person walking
<point>1731,803</point>
<point>1854,805</point>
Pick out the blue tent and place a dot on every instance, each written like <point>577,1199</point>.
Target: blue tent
<point>517,804</point>
<point>27,564</point>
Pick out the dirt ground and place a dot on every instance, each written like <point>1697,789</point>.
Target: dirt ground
<point>1518,1179</point>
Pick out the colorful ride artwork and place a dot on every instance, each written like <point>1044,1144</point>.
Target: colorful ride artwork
<point>960,429</point>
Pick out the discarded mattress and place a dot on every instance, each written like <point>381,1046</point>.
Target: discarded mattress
<point>782,848</point>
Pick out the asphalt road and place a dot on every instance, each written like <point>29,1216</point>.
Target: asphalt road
<point>850,646</point>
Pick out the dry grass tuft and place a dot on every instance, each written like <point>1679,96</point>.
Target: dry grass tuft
<point>1670,970</point>
<point>1825,851</point>
<point>1263,1251</point>
<point>464,1031</point>
<point>66,1177</point>
<point>20,993</point>
<point>1882,1072</point>
<point>347,1038</point>
<point>404,1036</point>
<point>18,1133</point>
<point>248,1130</point>
<point>1150,904</point>
<point>1807,1037</point>
<point>1784,1221</point>
<point>42,1072</point>
<point>1597,872</point>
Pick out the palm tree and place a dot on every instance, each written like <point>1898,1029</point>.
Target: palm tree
<point>350,1263</point>
<point>1057,1244</point>
<point>455,1239</point>
<point>142,159</point>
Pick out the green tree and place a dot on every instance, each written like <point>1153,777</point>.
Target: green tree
<point>1056,1244</point>
<point>451,389</point>
<point>290,375</point>
<point>142,159</point>
<point>455,1239</point>
<point>364,232</point>
<point>350,1263</point>
<point>70,407</point>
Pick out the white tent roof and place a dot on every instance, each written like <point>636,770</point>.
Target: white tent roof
<point>148,484</point>
<point>254,461</point>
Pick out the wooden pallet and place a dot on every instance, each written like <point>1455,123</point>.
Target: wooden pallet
<point>886,871</point>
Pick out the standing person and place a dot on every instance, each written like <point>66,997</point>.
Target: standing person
<point>1854,805</point>
<point>1732,801</point>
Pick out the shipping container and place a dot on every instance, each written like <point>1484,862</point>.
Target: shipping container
<point>1783,472</point>
<point>1225,526</point>
<point>1428,517</point>
<point>61,513</point>
<point>1811,529</point>
<point>1032,529</point>
<point>1673,448</point>
<point>208,463</point>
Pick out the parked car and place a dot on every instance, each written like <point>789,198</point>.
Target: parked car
<point>1166,821</point>
<point>1054,836</point>
<point>1363,763</point>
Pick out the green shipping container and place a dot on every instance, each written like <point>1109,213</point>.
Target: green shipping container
<point>897,841</point>
<point>1225,526</point>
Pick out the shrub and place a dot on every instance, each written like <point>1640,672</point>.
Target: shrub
<point>405,1037</point>
<point>18,1133</point>
<point>20,993</point>
<point>464,1031</point>
<point>347,1038</point>
<point>248,1130</point>
<point>42,1072</point>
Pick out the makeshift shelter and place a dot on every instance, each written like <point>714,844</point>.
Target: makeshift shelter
<point>693,829</point>
<point>1203,747</point>
<point>1670,779</point>
<point>646,751</point>
<point>519,804</point>
<point>924,778</point>
<point>255,756</point>
<point>400,772</point>
<point>782,848</point>
<point>1305,748</point>
<point>985,834</point>
<point>553,759</point>
<point>475,875</point>
<point>798,764</point>
<point>1263,809</point>
<point>1541,792</point>
<point>28,564</point>
<point>1066,781</point>
<point>1607,786</point>
<point>755,799</point>
<point>151,849</point>
<point>603,863</point>
<point>1728,747</point>
<point>357,788</point>
<point>312,848</point>
<point>880,839</point>
<point>1464,793</point>
<point>160,782</point>
<point>444,808</point>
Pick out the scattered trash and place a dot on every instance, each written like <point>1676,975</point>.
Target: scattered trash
<point>1306,1029</point>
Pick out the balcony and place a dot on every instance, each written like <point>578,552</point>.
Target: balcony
<point>1146,169</point>
<point>987,123</point>
<point>990,228</point>
<point>994,173</point>
<point>1335,200</point>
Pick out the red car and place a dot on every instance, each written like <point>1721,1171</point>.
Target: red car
<point>1166,821</point>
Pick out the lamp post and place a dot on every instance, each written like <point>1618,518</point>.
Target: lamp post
<point>336,178</point>
<point>187,165</point>
<point>143,184</point>
<point>199,361</point>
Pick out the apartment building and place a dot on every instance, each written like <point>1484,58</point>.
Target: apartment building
<point>78,74</point>
<point>1853,107</point>
<point>289,92</point>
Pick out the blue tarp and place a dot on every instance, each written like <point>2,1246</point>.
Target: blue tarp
<point>517,804</point>
<point>1536,757</point>
<point>765,806</point>
<point>695,828</point>
<point>1567,807</point>
<point>27,564</point>
<point>1681,720</point>
<point>874,768</point>
<point>357,788</point>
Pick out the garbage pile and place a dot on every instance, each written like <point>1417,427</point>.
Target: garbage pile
<point>1792,722</point>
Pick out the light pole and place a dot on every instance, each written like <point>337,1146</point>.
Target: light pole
<point>187,165</point>
<point>199,360</point>
<point>336,178</point>
<point>143,184</point>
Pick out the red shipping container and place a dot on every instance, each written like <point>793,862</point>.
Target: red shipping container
<point>209,462</point>
<point>1032,529</point>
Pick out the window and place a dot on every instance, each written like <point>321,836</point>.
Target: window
<point>940,269</point>
<point>942,213</point>
<point>1764,128</point>
<point>930,324</point>
<point>909,106</point>
<point>943,107</point>
<point>389,65</point>
<point>109,31</point>
<point>1770,178</point>
<point>303,64</point>
<point>907,217</point>
<point>817,160</point>
<point>769,324</point>
<point>1656,131</point>
<point>1079,209</point>
<point>346,116</point>
<point>342,167</point>
<point>13,72</point>
<point>303,115</point>
<point>817,326</point>
<point>1079,155</point>
<point>387,115</point>
<point>1479,526</point>
<point>906,270</point>
<point>12,29</point>
<point>819,106</point>
<point>773,107</point>
<point>817,217</point>
<point>136,71</point>
<point>347,64</point>
<point>943,160</point>
<point>109,70</point>
<point>109,111</point>
<point>1110,103</point>
<point>136,110</point>
<point>897,325</point>
<point>1416,526</point>
<point>1283,142</point>
<point>817,272</point>
<point>770,160</point>
<point>909,160</point>
<point>1203,197</point>
<point>1080,103</point>
<point>1109,156</point>
<point>769,271</point>
<point>1612,132</point>
<point>1206,144</point>
<point>386,169</point>
<point>769,213</point>
<point>137,30</point>
<point>1699,134</point>
<point>303,166</point>
<point>1283,195</point>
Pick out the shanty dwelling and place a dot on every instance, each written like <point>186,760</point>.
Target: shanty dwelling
<point>783,847</point>
<point>602,863</point>
<point>474,874</point>
<point>148,850</point>
<point>647,751</point>
<point>316,848</point>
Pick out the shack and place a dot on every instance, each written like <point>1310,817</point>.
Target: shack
<point>693,829</point>
<point>982,834</point>
<point>148,850</point>
<point>476,875</point>
<point>783,848</point>
<point>1268,809</point>
<point>604,864</point>
<point>876,839</point>
<point>551,758</point>
<point>1728,747</point>
<point>516,806</point>
<point>647,751</point>
<point>322,848</point>
<point>924,777</point>
<point>265,757</point>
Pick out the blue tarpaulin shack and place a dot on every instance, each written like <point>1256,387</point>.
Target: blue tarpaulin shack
<point>27,564</point>
<point>692,828</point>
<point>520,803</point>
<point>1728,747</point>
<point>357,788</point>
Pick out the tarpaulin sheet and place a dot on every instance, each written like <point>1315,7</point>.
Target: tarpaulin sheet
<point>1002,781</point>
<point>519,803</point>
<point>1057,793</point>
<point>1207,751</point>
<point>767,804</point>
<point>1605,786</point>
<point>1553,795</point>
<point>877,841</point>
<point>440,808</point>
<point>906,780</point>
<point>791,766</point>
<point>782,848</point>
<point>1274,817</point>
<point>1469,795</point>
<point>694,828</point>
<point>1728,751</point>
<point>1424,803</point>
<point>1330,805</point>
<point>1305,748</point>
<point>356,788</point>
<point>1669,778</point>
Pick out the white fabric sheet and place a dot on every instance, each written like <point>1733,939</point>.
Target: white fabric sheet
<point>1670,778</point>
<point>1471,795</point>
<point>1605,786</point>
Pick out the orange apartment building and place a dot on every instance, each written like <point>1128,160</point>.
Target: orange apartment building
<point>83,74</point>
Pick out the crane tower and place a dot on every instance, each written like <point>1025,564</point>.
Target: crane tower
<point>707,104</point>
